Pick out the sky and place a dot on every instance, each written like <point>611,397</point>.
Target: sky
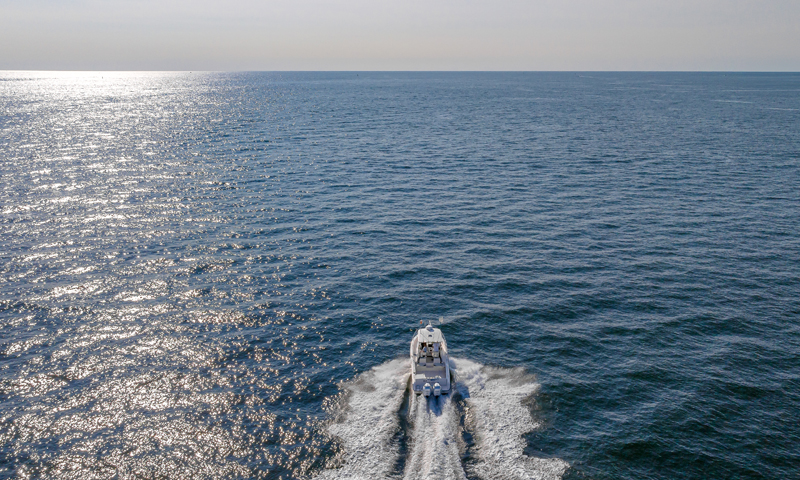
<point>531,35</point>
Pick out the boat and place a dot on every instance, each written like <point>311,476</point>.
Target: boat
<point>430,365</point>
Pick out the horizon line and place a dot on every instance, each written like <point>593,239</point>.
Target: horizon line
<point>386,71</point>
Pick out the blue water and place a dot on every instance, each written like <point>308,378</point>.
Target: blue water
<point>212,275</point>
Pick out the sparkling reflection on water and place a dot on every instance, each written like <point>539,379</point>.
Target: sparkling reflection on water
<point>152,324</point>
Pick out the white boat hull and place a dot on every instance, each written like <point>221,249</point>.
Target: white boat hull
<point>430,367</point>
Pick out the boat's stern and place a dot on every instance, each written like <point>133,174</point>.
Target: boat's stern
<point>436,384</point>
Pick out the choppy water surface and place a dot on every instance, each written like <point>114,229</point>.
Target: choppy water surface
<point>214,275</point>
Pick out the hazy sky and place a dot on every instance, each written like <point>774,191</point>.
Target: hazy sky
<point>400,35</point>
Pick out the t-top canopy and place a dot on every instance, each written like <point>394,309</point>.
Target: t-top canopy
<point>430,335</point>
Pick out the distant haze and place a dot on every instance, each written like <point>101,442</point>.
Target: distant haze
<point>743,35</point>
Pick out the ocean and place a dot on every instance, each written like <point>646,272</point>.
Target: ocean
<point>217,275</point>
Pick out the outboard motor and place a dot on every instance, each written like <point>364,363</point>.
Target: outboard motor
<point>437,389</point>
<point>426,389</point>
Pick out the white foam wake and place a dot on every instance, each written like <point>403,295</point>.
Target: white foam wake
<point>494,414</point>
<point>435,446</point>
<point>498,419</point>
<point>371,422</point>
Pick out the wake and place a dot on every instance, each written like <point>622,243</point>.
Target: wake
<point>486,405</point>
